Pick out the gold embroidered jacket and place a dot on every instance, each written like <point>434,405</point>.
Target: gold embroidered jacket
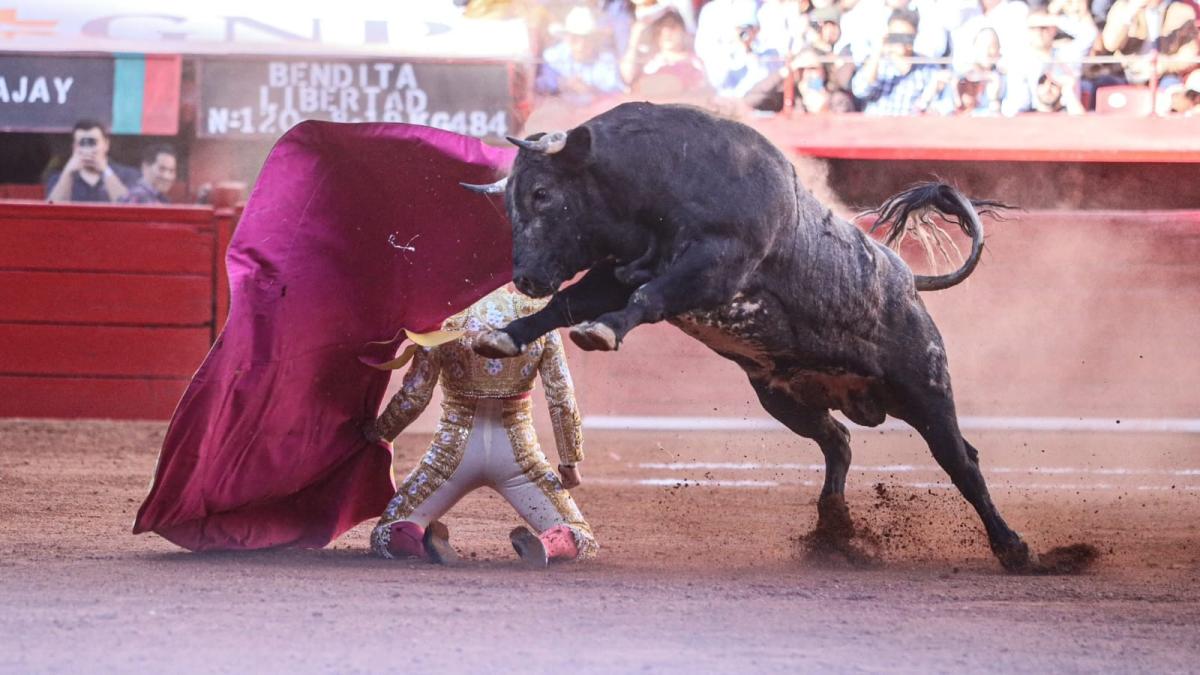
<point>465,375</point>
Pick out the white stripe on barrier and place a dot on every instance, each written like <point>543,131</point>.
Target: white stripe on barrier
<point>921,485</point>
<point>909,468</point>
<point>1170,425</point>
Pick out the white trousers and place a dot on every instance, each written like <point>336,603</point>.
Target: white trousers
<point>489,457</point>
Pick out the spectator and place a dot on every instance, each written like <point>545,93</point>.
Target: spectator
<point>957,95</point>
<point>813,91</point>
<point>644,36</point>
<point>1141,29</point>
<point>821,73</point>
<point>158,175</point>
<point>869,18</point>
<point>613,23</point>
<point>579,67</point>
<point>734,60</point>
<point>673,69</point>
<point>826,40</point>
<point>988,77</point>
<point>1008,18</point>
<point>1058,43</point>
<point>784,25</point>
<point>1185,98</point>
<point>1056,92</point>
<point>1099,10</point>
<point>655,9</point>
<point>88,175</point>
<point>978,91</point>
<point>713,37</point>
<point>889,83</point>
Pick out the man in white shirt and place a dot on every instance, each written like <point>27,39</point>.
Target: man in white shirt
<point>727,43</point>
<point>866,22</point>
<point>1008,18</point>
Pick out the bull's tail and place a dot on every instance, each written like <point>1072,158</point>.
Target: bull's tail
<point>919,203</point>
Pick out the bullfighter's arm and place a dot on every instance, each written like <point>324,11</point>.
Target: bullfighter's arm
<point>413,397</point>
<point>560,397</point>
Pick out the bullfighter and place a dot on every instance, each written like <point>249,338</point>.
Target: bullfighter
<point>486,438</point>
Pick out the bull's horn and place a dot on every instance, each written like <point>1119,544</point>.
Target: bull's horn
<point>549,144</point>
<point>496,188</point>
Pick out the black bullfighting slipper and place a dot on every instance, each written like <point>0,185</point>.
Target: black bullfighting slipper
<point>437,544</point>
<point>529,546</point>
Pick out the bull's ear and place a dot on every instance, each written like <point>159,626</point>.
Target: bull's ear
<point>578,147</point>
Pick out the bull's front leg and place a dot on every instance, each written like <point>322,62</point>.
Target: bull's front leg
<point>597,292</point>
<point>706,275</point>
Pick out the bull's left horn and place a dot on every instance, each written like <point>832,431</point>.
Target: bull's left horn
<point>496,188</point>
<point>549,144</point>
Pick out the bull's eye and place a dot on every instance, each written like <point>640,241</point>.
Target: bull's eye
<point>540,195</point>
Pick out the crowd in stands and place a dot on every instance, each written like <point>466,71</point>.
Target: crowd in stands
<point>880,57</point>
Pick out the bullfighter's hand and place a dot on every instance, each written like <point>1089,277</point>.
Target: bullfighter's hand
<point>570,476</point>
<point>370,430</point>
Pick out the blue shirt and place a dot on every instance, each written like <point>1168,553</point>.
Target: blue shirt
<point>893,93</point>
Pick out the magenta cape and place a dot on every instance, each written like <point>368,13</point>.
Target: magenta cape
<point>352,233</point>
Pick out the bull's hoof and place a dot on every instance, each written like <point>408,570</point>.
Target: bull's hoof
<point>833,518</point>
<point>1061,560</point>
<point>836,541</point>
<point>495,344</point>
<point>1016,557</point>
<point>594,336</point>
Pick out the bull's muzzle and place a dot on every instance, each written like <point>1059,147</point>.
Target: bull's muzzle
<point>534,288</point>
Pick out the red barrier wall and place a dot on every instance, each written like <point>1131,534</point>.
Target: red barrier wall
<point>106,311</point>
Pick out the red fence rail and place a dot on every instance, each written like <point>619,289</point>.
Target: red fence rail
<point>106,311</point>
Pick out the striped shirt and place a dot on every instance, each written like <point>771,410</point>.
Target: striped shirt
<point>893,92</point>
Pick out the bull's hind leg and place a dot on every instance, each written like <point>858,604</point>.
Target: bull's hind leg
<point>933,416</point>
<point>833,516</point>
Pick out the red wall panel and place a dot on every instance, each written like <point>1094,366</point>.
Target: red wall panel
<point>106,299</point>
<point>116,398</point>
<point>106,311</point>
<point>56,244</point>
<point>37,349</point>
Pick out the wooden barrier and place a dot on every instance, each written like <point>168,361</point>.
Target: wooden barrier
<point>106,311</point>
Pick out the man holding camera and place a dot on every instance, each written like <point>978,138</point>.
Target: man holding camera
<point>88,176</point>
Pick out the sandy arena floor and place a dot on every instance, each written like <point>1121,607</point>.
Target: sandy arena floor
<point>700,569</point>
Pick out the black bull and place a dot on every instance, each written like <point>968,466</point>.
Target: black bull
<point>682,216</point>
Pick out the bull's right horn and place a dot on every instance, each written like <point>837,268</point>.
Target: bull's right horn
<point>496,188</point>
<point>549,144</point>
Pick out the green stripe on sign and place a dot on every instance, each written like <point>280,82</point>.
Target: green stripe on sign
<point>129,80</point>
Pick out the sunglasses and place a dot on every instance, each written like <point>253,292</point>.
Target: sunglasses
<point>86,142</point>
